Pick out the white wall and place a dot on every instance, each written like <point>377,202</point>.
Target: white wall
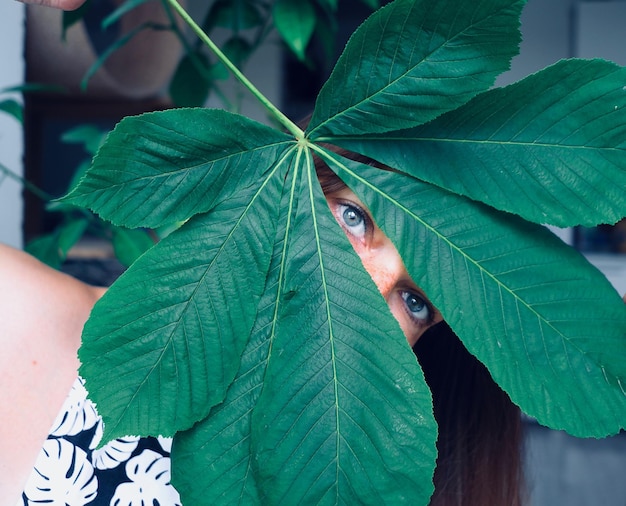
<point>11,139</point>
<point>546,32</point>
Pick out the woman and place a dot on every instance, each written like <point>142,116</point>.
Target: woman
<point>44,311</point>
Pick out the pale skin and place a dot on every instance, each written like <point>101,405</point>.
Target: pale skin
<point>43,312</point>
<point>407,302</point>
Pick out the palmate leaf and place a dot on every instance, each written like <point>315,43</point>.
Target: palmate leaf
<point>551,148</point>
<point>271,338</point>
<point>546,323</point>
<point>182,316</point>
<point>344,416</point>
<point>160,168</point>
<point>413,60</point>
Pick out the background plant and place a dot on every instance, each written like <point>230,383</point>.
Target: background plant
<point>253,334</point>
<point>76,222</point>
<point>242,26</point>
<point>12,107</point>
<point>53,248</point>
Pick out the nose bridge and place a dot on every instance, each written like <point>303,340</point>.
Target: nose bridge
<point>386,268</point>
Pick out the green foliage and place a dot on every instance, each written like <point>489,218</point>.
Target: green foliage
<point>564,130</point>
<point>70,18</point>
<point>531,287</point>
<point>253,334</point>
<point>235,15</point>
<point>427,63</point>
<point>295,21</point>
<point>53,248</point>
<point>13,108</point>
<point>247,23</point>
<point>192,81</point>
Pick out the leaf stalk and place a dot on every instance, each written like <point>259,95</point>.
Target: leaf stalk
<point>274,111</point>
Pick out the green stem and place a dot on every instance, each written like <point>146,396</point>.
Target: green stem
<point>28,185</point>
<point>282,119</point>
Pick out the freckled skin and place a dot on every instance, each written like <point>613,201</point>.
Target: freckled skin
<point>384,264</point>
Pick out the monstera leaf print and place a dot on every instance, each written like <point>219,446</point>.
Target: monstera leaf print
<point>114,453</point>
<point>62,475</point>
<point>77,415</point>
<point>149,473</point>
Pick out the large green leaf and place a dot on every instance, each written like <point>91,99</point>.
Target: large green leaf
<point>182,316</point>
<point>345,415</point>
<point>547,324</point>
<point>160,168</point>
<point>413,60</point>
<point>551,148</point>
<point>255,330</point>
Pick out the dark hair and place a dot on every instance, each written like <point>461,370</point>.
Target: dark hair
<point>479,444</point>
<point>480,430</point>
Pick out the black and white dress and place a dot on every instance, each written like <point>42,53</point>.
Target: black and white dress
<point>71,471</point>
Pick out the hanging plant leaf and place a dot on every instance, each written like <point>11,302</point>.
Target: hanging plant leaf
<point>295,21</point>
<point>191,83</point>
<point>129,245</point>
<point>235,15</point>
<point>12,108</point>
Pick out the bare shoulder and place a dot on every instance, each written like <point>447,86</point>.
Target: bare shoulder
<point>34,296</point>
<point>42,313</point>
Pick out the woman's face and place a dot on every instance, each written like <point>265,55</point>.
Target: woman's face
<point>381,260</point>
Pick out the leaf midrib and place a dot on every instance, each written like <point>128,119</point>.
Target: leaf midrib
<point>331,335</point>
<point>182,172</point>
<point>486,142</point>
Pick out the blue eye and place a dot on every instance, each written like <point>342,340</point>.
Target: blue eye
<point>353,218</point>
<point>418,308</point>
